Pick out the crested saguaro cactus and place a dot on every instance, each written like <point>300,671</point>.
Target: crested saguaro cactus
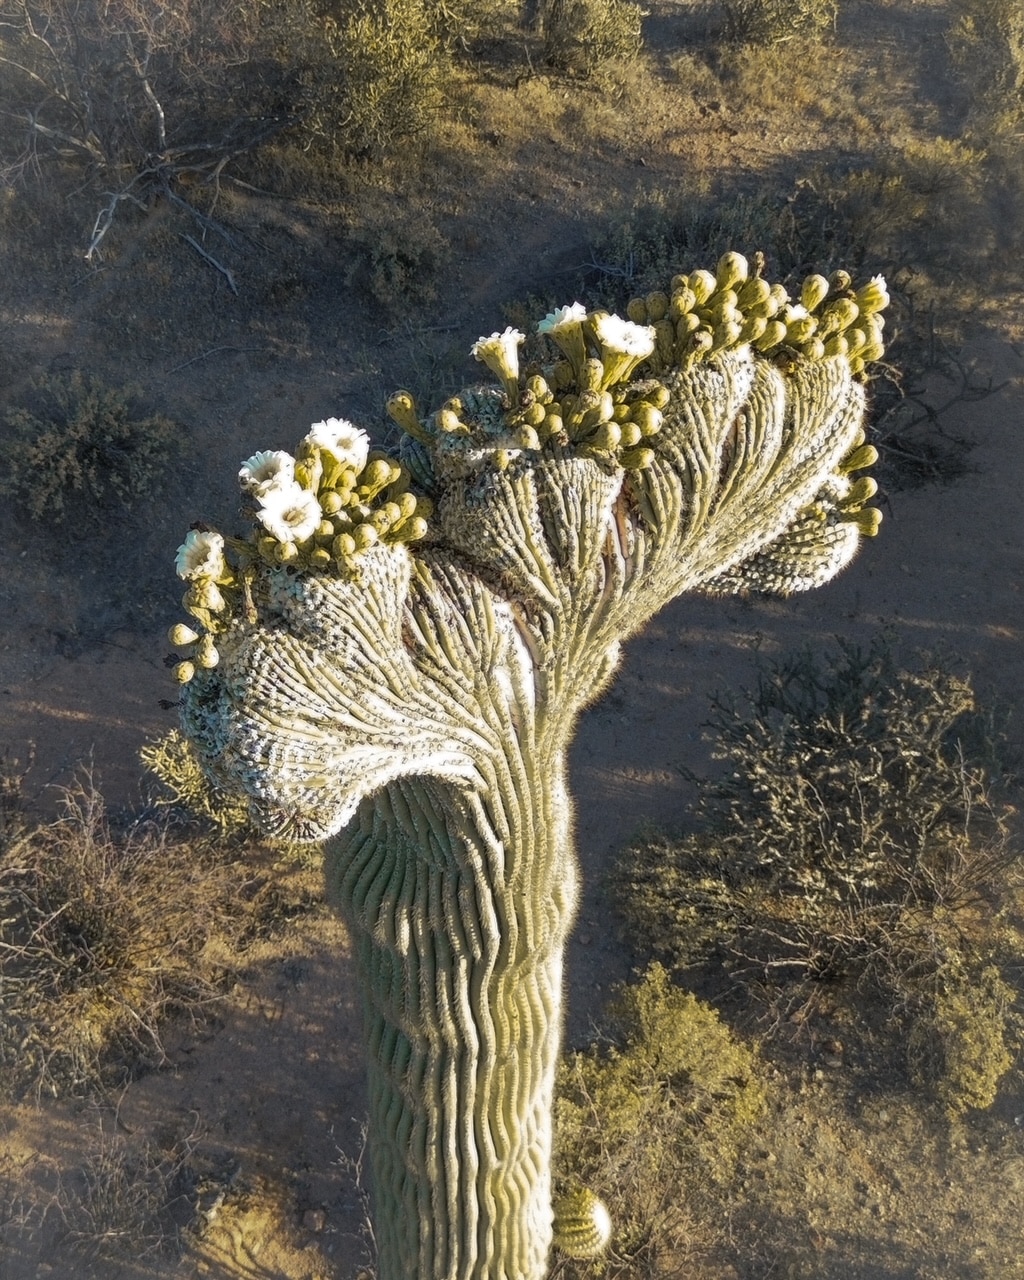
<point>394,660</point>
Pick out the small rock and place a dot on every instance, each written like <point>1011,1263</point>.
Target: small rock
<point>314,1220</point>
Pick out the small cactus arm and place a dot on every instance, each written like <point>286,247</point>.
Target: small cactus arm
<point>394,660</point>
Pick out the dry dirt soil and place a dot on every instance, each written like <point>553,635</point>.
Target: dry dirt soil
<point>267,1097</point>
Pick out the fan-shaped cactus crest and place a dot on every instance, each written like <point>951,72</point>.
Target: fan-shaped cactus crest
<point>394,661</point>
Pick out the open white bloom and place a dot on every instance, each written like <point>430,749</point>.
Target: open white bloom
<point>269,469</point>
<point>500,353</point>
<point>624,337</point>
<point>201,555</point>
<point>562,317</point>
<point>345,442</point>
<point>289,513</point>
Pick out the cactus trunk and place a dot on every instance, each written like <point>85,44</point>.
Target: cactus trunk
<point>460,915</point>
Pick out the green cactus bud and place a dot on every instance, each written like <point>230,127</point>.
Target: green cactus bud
<point>732,269</point>
<point>450,423</point>
<point>535,415</point>
<point>648,418</point>
<point>658,396</point>
<point>605,436</point>
<point>630,435</point>
<point>774,334</point>
<point>363,537</point>
<point>501,459</point>
<point>657,307</point>
<point>330,502</point>
<point>554,425</point>
<point>868,521</point>
<point>800,330</point>
<point>344,547</point>
<point>592,374</point>
<point>779,296</point>
<point>813,349</point>
<point>414,530</point>
<point>727,335</point>
<point>703,284</point>
<point>636,310</point>
<point>839,281</point>
<point>286,553</point>
<point>813,292</point>
<point>753,328</point>
<point>183,672</point>
<point>836,346</point>
<point>401,408</point>
<point>754,293</point>
<point>838,316</point>
<point>527,437</point>
<point>685,326</point>
<point>683,302</point>
<point>665,340</point>
<point>862,490</point>
<point>865,455</point>
<point>538,386</point>
<point>181,635</point>
<point>637,459</point>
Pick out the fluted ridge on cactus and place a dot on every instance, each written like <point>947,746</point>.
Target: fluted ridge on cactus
<point>395,659</point>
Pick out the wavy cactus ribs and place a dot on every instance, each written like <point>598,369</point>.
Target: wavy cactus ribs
<point>395,660</point>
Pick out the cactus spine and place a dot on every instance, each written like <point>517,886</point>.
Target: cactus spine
<point>408,693</point>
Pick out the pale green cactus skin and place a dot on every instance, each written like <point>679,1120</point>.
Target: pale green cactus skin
<point>418,717</point>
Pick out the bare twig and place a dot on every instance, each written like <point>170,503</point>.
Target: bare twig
<point>208,257</point>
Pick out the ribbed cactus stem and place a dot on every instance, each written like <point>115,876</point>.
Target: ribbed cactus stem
<point>459,950</point>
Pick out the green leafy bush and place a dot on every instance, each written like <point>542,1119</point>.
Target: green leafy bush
<point>851,836</point>
<point>79,446</point>
<point>658,1114</point>
<point>582,35</point>
<point>773,21</point>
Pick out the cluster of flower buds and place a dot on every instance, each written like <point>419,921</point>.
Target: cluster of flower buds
<point>315,512</point>
<point>850,504</point>
<point>584,400</point>
<point>707,312</point>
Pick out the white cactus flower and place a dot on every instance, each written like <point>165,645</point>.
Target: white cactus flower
<point>289,513</point>
<point>561,318</point>
<point>500,353</point>
<point>624,337</point>
<point>269,469</point>
<point>344,441</point>
<point>201,555</point>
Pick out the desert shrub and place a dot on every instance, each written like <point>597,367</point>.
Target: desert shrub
<point>986,44</point>
<point>773,21</point>
<point>852,835</point>
<point>658,1110</point>
<point>79,446</point>
<point>397,261</point>
<point>582,35</point>
<point>377,76</point>
<point>130,1199</point>
<point>957,1044</point>
<point>101,940</point>
<point>172,760</point>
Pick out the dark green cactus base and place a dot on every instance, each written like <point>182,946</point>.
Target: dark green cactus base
<point>459,938</point>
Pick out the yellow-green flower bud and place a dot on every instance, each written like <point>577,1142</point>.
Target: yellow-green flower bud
<point>839,281</point>
<point>865,455</point>
<point>527,437</point>
<point>325,531</point>
<point>659,396</point>
<point>727,334</point>
<point>181,635</point>
<point>703,284</point>
<point>839,316</point>
<point>535,415</point>
<point>779,296</point>
<point>183,672</point>
<point>540,389</point>
<point>732,269</point>
<point>657,307</point>
<point>320,558</point>
<point>868,521</point>
<point>814,349</point>
<point>648,418</point>
<point>415,529</point>
<point>801,330</point>
<point>752,328</point>
<point>286,553</point>
<point>774,334</point>
<point>636,459</point>
<point>401,408</point>
<point>364,536</point>
<point>665,340</point>
<point>813,292</point>
<point>554,425</point>
<point>330,502</point>
<point>756,292</point>
<point>343,547</point>
<point>836,346</point>
<point>683,302</point>
<point>636,310</point>
<point>204,594</point>
<point>630,435</point>
<point>206,655</point>
<point>862,490</point>
<point>592,374</point>
<point>606,436</point>
<point>687,325</point>
<point>375,476</point>
<point>449,422</point>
